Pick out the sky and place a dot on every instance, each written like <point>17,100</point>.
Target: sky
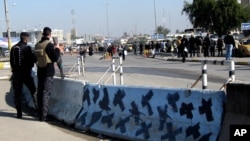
<point>90,16</point>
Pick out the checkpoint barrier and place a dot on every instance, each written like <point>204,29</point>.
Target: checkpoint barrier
<point>66,99</point>
<point>140,113</point>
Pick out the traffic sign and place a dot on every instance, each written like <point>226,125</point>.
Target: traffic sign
<point>245,26</point>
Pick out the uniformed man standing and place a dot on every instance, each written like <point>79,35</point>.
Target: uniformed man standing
<point>46,55</point>
<point>22,60</point>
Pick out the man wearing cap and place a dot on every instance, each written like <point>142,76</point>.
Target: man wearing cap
<point>46,55</point>
<point>22,60</point>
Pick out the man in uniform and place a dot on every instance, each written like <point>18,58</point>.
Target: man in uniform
<point>46,55</point>
<point>22,60</point>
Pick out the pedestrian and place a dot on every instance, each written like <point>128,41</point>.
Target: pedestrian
<point>147,49</point>
<point>199,45</point>
<point>22,60</point>
<point>206,45</point>
<point>46,55</point>
<point>229,44</point>
<point>135,48</point>
<point>59,61</point>
<point>82,53</point>
<point>124,52</point>
<point>192,45</point>
<point>91,50</point>
<point>236,49</point>
<point>184,48</point>
<point>178,43</point>
<point>220,45</point>
<point>212,48</point>
<point>141,48</point>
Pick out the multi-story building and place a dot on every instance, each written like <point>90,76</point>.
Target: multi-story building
<point>58,33</point>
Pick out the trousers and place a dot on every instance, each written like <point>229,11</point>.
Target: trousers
<point>18,80</point>
<point>43,95</point>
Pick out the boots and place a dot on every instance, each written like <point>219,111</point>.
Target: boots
<point>19,113</point>
<point>62,75</point>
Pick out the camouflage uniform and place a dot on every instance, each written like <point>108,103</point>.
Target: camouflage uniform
<point>43,94</point>
<point>45,71</point>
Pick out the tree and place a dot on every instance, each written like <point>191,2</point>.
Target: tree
<point>215,15</point>
<point>200,12</point>
<point>162,30</point>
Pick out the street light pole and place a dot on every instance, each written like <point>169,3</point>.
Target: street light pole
<point>8,24</point>
<point>106,5</point>
<point>156,32</point>
<point>155,18</point>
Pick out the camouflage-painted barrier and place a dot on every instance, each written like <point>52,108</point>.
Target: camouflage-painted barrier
<point>140,113</point>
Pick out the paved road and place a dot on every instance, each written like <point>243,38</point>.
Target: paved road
<point>164,73</point>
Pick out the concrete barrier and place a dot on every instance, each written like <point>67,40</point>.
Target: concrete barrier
<point>237,108</point>
<point>66,99</point>
<point>140,113</point>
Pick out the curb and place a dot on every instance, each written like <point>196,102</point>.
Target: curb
<point>4,65</point>
<point>197,60</point>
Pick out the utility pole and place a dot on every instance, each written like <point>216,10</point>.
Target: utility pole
<point>8,24</point>
<point>155,22</point>
<point>155,18</point>
<point>73,31</point>
<point>107,16</point>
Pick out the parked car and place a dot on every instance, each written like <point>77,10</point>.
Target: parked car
<point>244,49</point>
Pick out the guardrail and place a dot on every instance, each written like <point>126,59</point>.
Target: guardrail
<point>203,76</point>
<point>114,70</point>
<point>79,65</point>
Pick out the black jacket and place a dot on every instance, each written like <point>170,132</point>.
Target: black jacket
<point>53,53</point>
<point>27,59</point>
<point>229,39</point>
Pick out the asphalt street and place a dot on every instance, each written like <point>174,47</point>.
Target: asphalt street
<point>159,68</point>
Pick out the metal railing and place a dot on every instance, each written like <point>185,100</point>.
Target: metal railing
<point>203,76</point>
<point>114,70</point>
<point>79,65</point>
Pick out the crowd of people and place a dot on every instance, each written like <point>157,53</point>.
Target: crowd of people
<point>193,46</point>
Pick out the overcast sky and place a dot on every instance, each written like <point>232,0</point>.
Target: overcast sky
<point>132,16</point>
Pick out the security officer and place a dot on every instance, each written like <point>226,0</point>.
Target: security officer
<point>22,60</point>
<point>45,71</point>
